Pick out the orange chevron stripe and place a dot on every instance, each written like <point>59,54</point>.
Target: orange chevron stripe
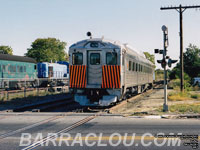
<point>80,75</point>
<point>77,76</point>
<point>75,79</point>
<point>119,75</point>
<point>78,71</point>
<point>107,80</point>
<point>116,85</point>
<point>110,79</point>
<point>81,78</point>
<point>111,76</point>
<point>72,76</point>
<point>102,77</point>
<point>113,82</point>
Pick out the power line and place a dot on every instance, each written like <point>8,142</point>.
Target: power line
<point>181,9</point>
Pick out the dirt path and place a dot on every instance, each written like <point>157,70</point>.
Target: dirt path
<point>148,104</point>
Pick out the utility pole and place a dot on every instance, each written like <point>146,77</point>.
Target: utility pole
<point>181,9</point>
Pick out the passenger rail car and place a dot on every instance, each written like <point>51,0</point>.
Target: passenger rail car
<point>15,71</point>
<point>103,72</point>
<point>53,74</point>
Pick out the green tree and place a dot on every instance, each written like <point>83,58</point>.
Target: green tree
<point>191,63</point>
<point>150,57</point>
<point>6,50</point>
<point>47,49</point>
<point>67,57</point>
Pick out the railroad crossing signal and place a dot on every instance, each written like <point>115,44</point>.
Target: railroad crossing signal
<point>164,63</point>
<point>171,61</point>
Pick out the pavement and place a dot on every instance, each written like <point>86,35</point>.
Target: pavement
<point>93,131</point>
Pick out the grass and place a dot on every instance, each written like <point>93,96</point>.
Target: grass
<point>181,108</point>
<point>185,108</point>
<point>182,96</point>
<point>179,96</point>
<point>29,95</point>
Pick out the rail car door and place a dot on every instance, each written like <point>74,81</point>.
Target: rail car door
<point>94,76</point>
<point>50,71</point>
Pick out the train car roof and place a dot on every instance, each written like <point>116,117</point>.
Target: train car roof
<point>17,58</point>
<point>109,44</point>
<point>104,43</point>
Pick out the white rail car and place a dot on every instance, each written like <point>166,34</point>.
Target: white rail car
<point>103,72</point>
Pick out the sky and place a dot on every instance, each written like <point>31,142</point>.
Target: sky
<point>136,22</point>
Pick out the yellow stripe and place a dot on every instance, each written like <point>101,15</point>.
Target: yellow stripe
<point>106,138</point>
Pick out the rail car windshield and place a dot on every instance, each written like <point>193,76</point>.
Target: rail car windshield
<point>111,58</point>
<point>94,58</point>
<point>77,58</point>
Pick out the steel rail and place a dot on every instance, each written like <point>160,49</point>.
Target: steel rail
<point>5,135</point>
<point>67,129</point>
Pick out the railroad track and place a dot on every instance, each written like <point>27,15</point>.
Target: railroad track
<point>46,106</point>
<point>65,130</point>
<point>57,133</point>
<point>3,136</point>
<point>137,98</point>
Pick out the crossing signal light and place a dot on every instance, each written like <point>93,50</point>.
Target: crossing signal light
<point>170,62</point>
<point>162,62</point>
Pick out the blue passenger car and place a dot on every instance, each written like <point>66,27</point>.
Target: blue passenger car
<point>52,74</point>
<point>51,70</point>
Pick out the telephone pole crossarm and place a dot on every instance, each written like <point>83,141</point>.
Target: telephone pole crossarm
<point>181,9</point>
<point>177,7</point>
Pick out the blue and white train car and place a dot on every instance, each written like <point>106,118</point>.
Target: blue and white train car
<point>52,74</point>
<point>51,70</point>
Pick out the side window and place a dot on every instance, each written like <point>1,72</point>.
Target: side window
<point>21,68</point>
<point>4,68</point>
<point>35,67</point>
<point>133,66</point>
<point>0,68</point>
<point>12,68</point>
<point>24,68</point>
<point>77,58</point>
<point>136,69</point>
<point>139,67</point>
<point>111,58</point>
<point>94,58</point>
<point>129,66</point>
<point>18,68</point>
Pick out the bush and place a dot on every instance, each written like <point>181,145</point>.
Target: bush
<point>195,96</point>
